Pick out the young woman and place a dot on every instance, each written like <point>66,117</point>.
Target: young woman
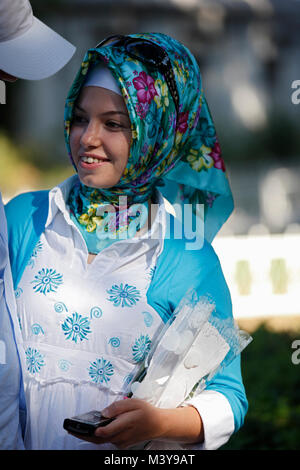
<point>97,263</point>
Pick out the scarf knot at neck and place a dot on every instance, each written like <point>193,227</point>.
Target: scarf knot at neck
<point>102,220</point>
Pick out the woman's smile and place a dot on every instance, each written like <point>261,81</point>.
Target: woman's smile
<point>90,161</point>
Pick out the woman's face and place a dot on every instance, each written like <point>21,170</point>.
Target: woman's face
<point>100,137</point>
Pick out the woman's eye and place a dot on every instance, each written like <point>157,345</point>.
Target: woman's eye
<point>114,125</point>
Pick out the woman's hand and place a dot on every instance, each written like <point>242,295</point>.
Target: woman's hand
<point>138,421</point>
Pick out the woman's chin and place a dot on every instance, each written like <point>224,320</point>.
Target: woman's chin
<point>97,183</point>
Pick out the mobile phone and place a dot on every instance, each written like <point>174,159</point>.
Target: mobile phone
<point>87,423</point>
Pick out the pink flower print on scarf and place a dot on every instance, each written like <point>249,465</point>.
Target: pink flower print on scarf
<point>216,155</point>
<point>144,84</point>
<point>183,122</point>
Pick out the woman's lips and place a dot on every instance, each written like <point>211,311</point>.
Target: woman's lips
<point>90,162</point>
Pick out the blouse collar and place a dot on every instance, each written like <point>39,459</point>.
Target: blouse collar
<point>57,203</point>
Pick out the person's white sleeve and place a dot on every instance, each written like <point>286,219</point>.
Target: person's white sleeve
<point>217,418</point>
<point>10,429</point>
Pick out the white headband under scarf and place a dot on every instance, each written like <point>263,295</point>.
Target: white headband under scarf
<point>101,76</point>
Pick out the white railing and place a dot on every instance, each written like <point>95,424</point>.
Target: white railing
<point>262,272</point>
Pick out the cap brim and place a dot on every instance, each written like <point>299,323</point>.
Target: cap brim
<point>36,54</point>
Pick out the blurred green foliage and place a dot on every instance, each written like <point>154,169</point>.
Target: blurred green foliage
<point>272,384</point>
<point>23,168</point>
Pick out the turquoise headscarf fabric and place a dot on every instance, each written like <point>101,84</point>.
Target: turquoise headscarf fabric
<point>182,155</point>
<point>101,224</point>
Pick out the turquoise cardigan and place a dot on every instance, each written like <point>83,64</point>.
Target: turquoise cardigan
<point>177,270</point>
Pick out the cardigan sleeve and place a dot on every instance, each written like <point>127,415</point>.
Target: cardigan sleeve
<point>26,215</point>
<point>223,404</point>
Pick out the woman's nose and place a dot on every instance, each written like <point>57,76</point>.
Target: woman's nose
<point>91,135</point>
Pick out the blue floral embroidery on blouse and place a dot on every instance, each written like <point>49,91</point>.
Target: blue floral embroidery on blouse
<point>18,292</point>
<point>37,249</point>
<point>59,307</point>
<point>151,273</point>
<point>37,329</point>
<point>47,280</point>
<point>141,348</point>
<point>127,379</point>
<point>148,319</point>
<point>126,296</point>
<point>101,371</point>
<point>34,360</point>
<point>115,342</point>
<point>76,327</point>
<point>64,364</point>
<point>96,312</point>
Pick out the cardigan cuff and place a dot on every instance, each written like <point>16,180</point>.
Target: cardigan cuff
<point>217,418</point>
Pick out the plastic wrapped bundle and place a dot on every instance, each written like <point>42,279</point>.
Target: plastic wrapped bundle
<point>188,353</point>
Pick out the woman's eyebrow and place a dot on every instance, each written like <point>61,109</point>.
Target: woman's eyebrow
<point>102,114</point>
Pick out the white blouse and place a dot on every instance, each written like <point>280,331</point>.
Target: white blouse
<point>85,327</point>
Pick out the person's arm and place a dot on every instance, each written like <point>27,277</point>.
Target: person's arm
<point>205,422</point>
<point>137,421</point>
<point>223,404</point>
<point>10,428</point>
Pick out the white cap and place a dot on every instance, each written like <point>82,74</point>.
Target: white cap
<point>99,75</point>
<point>28,48</point>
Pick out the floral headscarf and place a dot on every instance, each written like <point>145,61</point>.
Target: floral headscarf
<point>181,155</point>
